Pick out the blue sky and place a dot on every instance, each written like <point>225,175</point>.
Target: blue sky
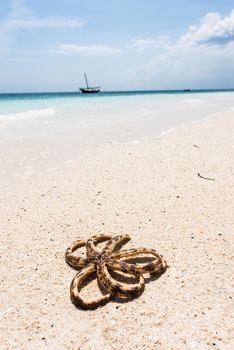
<point>125,44</point>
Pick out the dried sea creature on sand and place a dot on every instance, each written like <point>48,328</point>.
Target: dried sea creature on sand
<point>109,260</point>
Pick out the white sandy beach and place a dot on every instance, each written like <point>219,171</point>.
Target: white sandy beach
<point>150,190</point>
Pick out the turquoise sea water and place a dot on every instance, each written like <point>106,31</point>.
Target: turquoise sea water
<point>72,123</point>
<point>18,102</point>
<point>11,103</point>
<point>47,95</point>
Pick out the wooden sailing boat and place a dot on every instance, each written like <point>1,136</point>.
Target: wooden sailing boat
<point>89,89</point>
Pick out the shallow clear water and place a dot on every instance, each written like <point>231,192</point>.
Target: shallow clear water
<point>68,124</point>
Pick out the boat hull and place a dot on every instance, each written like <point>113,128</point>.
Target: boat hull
<point>90,90</point>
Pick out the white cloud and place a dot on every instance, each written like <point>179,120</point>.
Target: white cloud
<point>213,28</point>
<point>19,8</point>
<point>46,22</point>
<point>196,59</point>
<point>91,51</point>
<point>23,17</point>
<point>144,44</point>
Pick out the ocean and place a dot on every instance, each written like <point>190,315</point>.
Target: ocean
<point>66,125</point>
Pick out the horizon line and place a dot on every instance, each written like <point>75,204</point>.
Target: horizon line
<point>120,91</point>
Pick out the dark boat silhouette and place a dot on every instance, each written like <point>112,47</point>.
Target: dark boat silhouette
<point>187,90</point>
<point>89,89</point>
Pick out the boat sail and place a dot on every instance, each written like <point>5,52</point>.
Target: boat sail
<point>89,89</point>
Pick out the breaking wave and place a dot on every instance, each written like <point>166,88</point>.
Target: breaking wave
<point>30,114</point>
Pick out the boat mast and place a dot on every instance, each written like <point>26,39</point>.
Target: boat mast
<point>86,81</point>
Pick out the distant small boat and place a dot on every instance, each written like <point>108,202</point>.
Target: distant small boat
<point>89,89</point>
<point>187,90</point>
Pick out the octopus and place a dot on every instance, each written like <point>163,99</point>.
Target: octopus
<point>107,262</point>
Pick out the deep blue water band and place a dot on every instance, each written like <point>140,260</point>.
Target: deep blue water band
<point>48,95</point>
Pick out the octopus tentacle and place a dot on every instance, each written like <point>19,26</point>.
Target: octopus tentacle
<point>117,287</point>
<point>119,265</point>
<point>73,261</point>
<point>116,241</point>
<point>76,286</point>
<point>91,245</point>
<point>157,265</point>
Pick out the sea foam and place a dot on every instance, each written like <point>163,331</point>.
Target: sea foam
<point>30,114</point>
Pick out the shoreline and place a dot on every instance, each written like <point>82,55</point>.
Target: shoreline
<point>31,153</point>
<point>150,190</point>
